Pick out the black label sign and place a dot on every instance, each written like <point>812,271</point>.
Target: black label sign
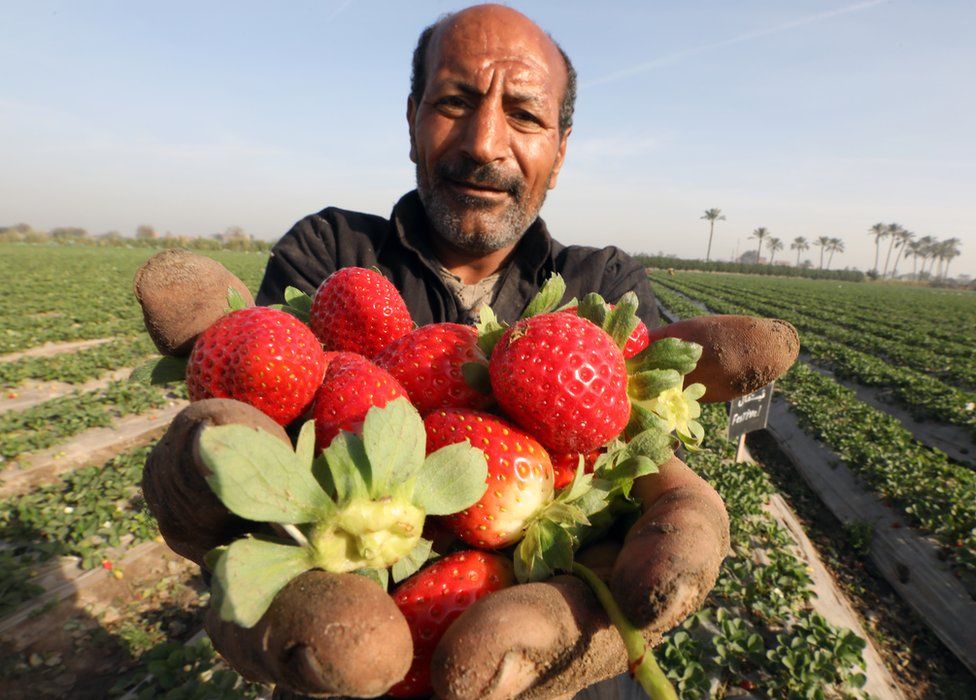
<point>750,412</point>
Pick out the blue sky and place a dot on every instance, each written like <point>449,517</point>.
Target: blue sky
<point>807,117</point>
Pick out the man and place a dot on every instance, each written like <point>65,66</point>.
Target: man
<point>489,117</point>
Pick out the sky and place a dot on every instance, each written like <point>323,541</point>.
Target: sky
<point>808,118</point>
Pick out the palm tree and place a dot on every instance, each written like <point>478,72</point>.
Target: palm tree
<point>915,251</point>
<point>760,233</point>
<point>835,245</point>
<point>904,237</point>
<point>950,250</point>
<point>879,231</point>
<point>925,244</point>
<point>823,242</point>
<point>712,215</point>
<point>799,243</point>
<point>774,245</point>
<point>893,231</point>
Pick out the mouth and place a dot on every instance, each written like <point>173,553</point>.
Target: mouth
<point>474,189</point>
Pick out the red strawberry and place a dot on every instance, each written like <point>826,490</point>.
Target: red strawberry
<point>427,362</point>
<point>563,379</point>
<point>564,465</point>
<point>261,356</point>
<point>358,310</point>
<point>434,597</point>
<point>638,340</point>
<point>352,385</point>
<point>519,475</point>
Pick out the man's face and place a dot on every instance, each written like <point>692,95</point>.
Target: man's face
<point>485,136</point>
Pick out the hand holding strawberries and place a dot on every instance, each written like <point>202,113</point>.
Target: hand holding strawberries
<point>456,432</point>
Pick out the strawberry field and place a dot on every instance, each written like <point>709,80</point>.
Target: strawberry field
<point>93,603</point>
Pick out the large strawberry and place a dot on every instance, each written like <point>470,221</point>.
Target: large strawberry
<point>563,379</point>
<point>352,385</point>
<point>261,356</point>
<point>434,597</point>
<point>428,362</point>
<point>358,310</point>
<point>519,475</point>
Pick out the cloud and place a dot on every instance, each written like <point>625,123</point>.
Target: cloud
<point>742,38</point>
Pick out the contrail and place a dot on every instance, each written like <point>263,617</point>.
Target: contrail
<point>338,10</point>
<point>678,55</point>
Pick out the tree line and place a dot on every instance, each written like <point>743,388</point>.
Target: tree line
<point>146,236</point>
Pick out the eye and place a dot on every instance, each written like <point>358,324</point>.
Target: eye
<point>451,104</point>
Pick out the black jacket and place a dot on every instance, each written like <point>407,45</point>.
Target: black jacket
<point>322,243</point>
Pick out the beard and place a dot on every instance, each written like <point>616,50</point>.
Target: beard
<point>450,212</point>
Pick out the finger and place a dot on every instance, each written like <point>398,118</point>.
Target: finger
<point>538,640</point>
<point>671,556</point>
<point>191,518</point>
<point>181,295</point>
<point>739,353</point>
<point>324,634</point>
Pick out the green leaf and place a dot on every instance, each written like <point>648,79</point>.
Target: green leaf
<point>251,572</point>
<point>548,298</point>
<point>630,469</point>
<point>160,371</point>
<point>490,330</point>
<point>348,466</point>
<point>411,563</point>
<point>545,549</point>
<point>452,479</point>
<point>235,300</point>
<point>666,353</point>
<point>381,576</point>
<point>649,384</point>
<point>395,440</point>
<point>259,477</point>
<point>622,320</point>
<point>594,308</point>
<point>297,303</point>
<point>653,444</point>
<point>642,419</point>
<point>563,513</point>
<point>305,445</point>
<point>476,376</point>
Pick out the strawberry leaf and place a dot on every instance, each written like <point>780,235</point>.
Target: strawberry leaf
<point>593,308</point>
<point>305,445</point>
<point>476,376</point>
<point>297,303</point>
<point>259,477</point>
<point>235,300</point>
<point>652,444</point>
<point>490,330</point>
<point>349,467</point>
<point>394,439</point>
<point>622,320</point>
<point>642,419</point>
<point>545,549</point>
<point>381,576</point>
<point>666,353</point>
<point>251,572</point>
<point>548,298</point>
<point>649,384</point>
<point>452,479</point>
<point>160,371</point>
<point>411,563</point>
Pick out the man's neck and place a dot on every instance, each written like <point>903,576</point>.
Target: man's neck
<point>470,268</point>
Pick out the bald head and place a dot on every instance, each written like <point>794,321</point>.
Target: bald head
<point>484,27</point>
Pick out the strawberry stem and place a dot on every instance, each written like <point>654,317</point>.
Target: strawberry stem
<point>643,667</point>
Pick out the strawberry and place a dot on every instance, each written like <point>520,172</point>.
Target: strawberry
<point>352,385</point>
<point>433,598</point>
<point>519,475</point>
<point>563,379</point>
<point>358,310</point>
<point>428,361</point>
<point>638,340</point>
<point>564,465</point>
<point>261,356</point>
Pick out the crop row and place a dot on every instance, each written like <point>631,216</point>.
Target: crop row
<point>922,395</point>
<point>61,293</point>
<point>87,514</point>
<point>46,424</point>
<point>945,362</point>
<point>77,367</point>
<point>936,494</point>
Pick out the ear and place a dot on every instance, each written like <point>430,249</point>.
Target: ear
<point>560,157</point>
<point>411,113</point>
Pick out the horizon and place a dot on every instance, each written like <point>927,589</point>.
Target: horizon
<point>808,119</point>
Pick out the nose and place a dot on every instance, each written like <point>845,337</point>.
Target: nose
<point>486,133</point>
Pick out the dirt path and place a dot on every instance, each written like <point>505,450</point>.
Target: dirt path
<point>32,392</point>
<point>50,349</point>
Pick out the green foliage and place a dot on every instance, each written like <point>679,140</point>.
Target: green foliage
<point>659,262</point>
<point>77,367</point>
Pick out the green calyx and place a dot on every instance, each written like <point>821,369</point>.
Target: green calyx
<point>359,506</point>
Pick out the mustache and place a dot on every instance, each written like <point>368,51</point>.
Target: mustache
<point>485,174</point>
